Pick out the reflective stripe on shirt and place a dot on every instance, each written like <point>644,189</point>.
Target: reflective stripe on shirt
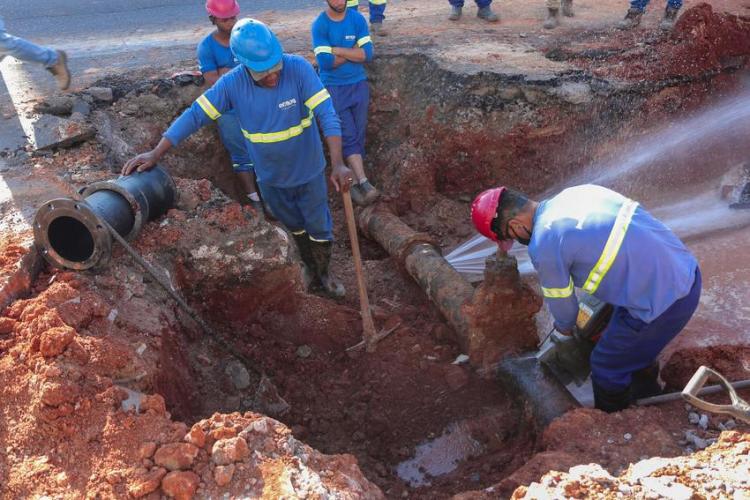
<point>282,135</point>
<point>558,293</point>
<point>364,40</point>
<point>321,96</point>
<point>612,247</point>
<point>207,107</point>
<point>323,49</point>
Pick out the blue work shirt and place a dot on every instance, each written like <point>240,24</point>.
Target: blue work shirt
<point>278,123</point>
<point>348,33</point>
<point>610,247</point>
<point>212,56</point>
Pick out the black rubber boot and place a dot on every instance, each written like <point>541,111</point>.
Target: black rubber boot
<point>321,252</point>
<point>645,383</point>
<point>304,245</point>
<point>670,16</point>
<point>610,401</point>
<point>632,19</point>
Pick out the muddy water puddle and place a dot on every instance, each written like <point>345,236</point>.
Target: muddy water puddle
<point>440,456</point>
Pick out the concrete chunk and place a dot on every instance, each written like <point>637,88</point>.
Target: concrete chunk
<point>52,131</point>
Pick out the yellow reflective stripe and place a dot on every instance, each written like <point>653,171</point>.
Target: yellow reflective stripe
<point>352,3</point>
<point>364,40</point>
<point>282,135</point>
<point>616,237</point>
<point>313,102</point>
<point>323,49</point>
<point>207,107</point>
<point>319,241</point>
<point>298,233</point>
<point>558,293</point>
<point>378,2</point>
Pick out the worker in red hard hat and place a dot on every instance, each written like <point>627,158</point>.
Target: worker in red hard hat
<point>612,248</point>
<point>283,109</point>
<point>215,58</point>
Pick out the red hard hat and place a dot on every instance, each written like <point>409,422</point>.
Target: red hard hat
<point>484,210</point>
<point>222,9</point>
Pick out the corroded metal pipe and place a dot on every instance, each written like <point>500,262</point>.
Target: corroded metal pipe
<point>69,232</point>
<point>421,257</point>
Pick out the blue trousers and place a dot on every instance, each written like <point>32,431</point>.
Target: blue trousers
<point>377,10</point>
<point>232,138</point>
<point>480,3</point>
<point>24,50</point>
<point>350,103</point>
<point>302,208</point>
<point>629,344</point>
<point>641,4</point>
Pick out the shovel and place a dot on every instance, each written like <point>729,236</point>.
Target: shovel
<point>738,408</point>
<point>370,337</point>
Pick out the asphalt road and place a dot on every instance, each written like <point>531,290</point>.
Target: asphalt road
<point>64,21</point>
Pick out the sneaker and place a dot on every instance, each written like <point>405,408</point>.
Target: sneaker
<point>378,29</point>
<point>567,8</point>
<point>357,195</point>
<point>670,16</point>
<point>632,19</point>
<point>551,21</point>
<point>60,70</point>
<point>487,14</point>
<point>455,13</point>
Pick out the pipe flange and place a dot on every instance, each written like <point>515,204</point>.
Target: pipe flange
<point>136,207</point>
<point>81,212</point>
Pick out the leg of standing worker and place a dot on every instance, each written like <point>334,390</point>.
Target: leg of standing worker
<point>312,201</point>
<point>354,152</point>
<point>377,11</point>
<point>553,10</point>
<point>629,344</point>
<point>670,14</point>
<point>484,11</point>
<point>634,15</point>
<point>54,60</point>
<point>456,9</point>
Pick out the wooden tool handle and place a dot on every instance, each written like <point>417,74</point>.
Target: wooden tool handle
<point>368,326</point>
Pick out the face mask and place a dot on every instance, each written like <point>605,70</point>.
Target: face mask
<point>524,241</point>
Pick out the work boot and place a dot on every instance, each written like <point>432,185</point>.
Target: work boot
<point>487,14</point>
<point>552,20</point>
<point>321,253</point>
<point>309,275</point>
<point>258,207</point>
<point>378,29</point>
<point>60,70</point>
<point>567,8</point>
<point>645,383</point>
<point>455,13</point>
<point>364,194</point>
<point>670,16</point>
<point>632,19</point>
<point>610,401</point>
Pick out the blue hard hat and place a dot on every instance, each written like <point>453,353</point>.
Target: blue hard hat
<point>255,45</point>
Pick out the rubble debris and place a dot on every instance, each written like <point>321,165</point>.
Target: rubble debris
<point>52,131</point>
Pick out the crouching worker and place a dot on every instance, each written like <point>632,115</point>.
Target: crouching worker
<point>612,248</point>
<point>277,98</point>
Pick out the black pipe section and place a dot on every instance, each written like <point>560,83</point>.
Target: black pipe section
<point>69,233</point>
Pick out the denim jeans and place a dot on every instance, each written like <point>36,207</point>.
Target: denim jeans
<point>641,4</point>
<point>23,50</point>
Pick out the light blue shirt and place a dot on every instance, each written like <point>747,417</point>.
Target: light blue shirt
<point>640,265</point>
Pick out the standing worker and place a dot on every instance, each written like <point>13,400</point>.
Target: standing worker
<point>342,45</point>
<point>484,10</point>
<point>377,14</point>
<point>56,61</point>
<point>277,98</point>
<point>215,59</point>
<point>609,246</point>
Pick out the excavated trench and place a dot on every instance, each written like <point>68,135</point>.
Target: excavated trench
<point>419,424</point>
<point>416,422</point>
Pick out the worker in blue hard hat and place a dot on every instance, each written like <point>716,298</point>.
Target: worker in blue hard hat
<point>279,101</point>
